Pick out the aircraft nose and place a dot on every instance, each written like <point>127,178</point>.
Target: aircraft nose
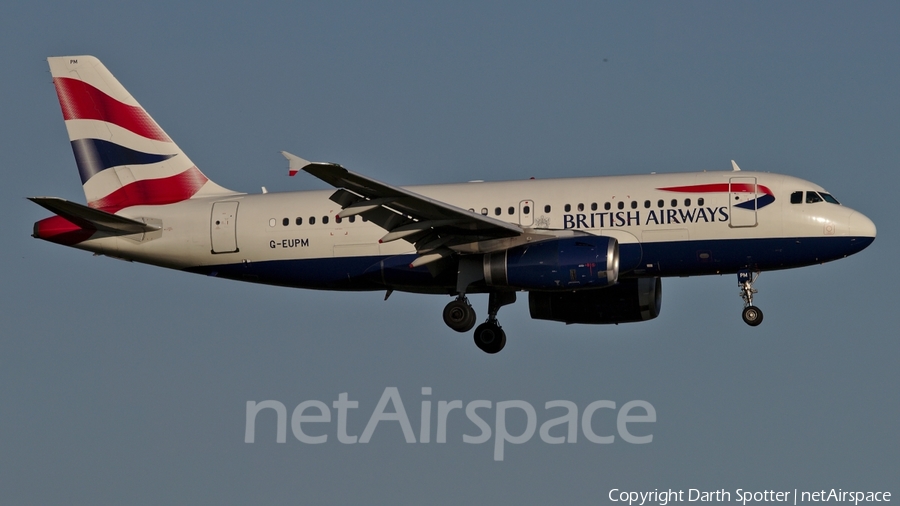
<point>861,226</point>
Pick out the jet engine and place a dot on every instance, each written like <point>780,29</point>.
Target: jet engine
<point>632,300</point>
<point>557,264</point>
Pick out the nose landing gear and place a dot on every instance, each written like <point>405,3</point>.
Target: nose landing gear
<point>751,314</point>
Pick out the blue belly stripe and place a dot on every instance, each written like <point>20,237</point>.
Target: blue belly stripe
<point>682,258</point>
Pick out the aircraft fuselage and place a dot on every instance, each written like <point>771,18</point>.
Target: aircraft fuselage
<point>296,238</point>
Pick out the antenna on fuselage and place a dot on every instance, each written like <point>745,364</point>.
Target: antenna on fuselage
<point>735,166</point>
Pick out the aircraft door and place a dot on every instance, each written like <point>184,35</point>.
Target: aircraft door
<point>526,213</point>
<point>223,227</point>
<point>742,201</point>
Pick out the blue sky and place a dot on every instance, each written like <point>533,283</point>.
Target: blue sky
<point>123,383</point>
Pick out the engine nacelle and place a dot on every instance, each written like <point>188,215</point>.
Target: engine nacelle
<point>632,300</point>
<point>558,264</point>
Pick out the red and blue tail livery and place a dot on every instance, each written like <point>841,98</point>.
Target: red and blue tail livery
<point>587,250</point>
<point>123,156</point>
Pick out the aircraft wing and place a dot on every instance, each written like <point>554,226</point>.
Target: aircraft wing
<point>434,227</point>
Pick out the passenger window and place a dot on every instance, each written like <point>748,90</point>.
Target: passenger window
<point>580,207</point>
<point>352,219</point>
<point>568,208</point>
<point>593,206</point>
<point>646,204</point>
<point>687,202</point>
<point>312,220</point>
<point>299,221</point>
<point>337,218</point>
<point>546,209</point>
<point>607,206</point>
<point>511,210</point>
<point>621,205</point>
<point>285,222</point>
<point>660,203</point>
<point>526,210</point>
<point>700,201</point>
<point>324,220</point>
<point>497,211</point>
<point>812,198</point>
<point>674,202</point>
<point>634,204</point>
<point>272,222</point>
<point>484,211</point>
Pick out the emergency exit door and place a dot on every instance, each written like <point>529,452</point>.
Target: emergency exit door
<point>526,213</point>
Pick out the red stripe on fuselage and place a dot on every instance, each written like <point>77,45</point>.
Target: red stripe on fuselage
<point>153,192</point>
<point>719,187</point>
<point>79,100</point>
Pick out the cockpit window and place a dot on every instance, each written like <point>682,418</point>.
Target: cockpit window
<point>829,198</point>
<point>813,197</point>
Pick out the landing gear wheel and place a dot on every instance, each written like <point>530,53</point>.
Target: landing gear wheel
<point>459,315</point>
<point>752,316</point>
<point>489,337</point>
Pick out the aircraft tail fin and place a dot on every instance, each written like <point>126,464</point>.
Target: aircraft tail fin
<point>124,158</point>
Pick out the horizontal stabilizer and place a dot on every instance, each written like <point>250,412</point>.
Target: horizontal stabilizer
<point>87,217</point>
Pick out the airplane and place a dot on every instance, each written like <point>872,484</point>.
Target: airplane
<point>589,250</point>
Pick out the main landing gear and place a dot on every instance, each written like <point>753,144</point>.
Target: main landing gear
<point>489,336</point>
<point>751,314</point>
<point>459,315</point>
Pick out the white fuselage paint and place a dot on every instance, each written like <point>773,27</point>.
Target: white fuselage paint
<point>261,236</point>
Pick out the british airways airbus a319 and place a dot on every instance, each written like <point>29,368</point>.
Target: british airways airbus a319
<point>587,250</point>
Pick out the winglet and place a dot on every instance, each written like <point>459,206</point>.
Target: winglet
<point>734,165</point>
<point>295,163</point>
